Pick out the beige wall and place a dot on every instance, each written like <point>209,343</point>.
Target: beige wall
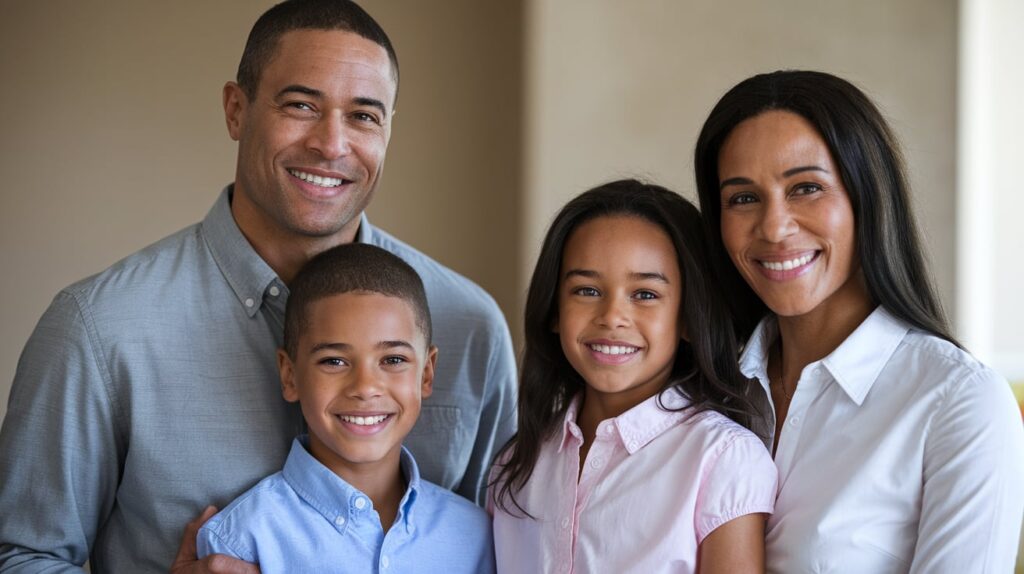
<point>113,136</point>
<point>622,88</point>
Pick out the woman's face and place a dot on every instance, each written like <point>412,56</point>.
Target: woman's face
<point>787,221</point>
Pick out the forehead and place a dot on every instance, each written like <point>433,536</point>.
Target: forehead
<point>620,244</point>
<point>774,140</point>
<point>362,317</point>
<point>328,60</point>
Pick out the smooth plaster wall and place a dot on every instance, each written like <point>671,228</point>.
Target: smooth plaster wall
<point>113,137</point>
<point>622,88</point>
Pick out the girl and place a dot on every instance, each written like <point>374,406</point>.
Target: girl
<point>630,455</point>
<point>900,451</point>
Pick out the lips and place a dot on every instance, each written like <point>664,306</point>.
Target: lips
<point>787,266</point>
<point>364,424</point>
<point>612,352</point>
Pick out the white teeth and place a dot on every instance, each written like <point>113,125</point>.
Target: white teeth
<point>363,421</point>
<point>316,179</point>
<point>788,264</point>
<point>613,349</point>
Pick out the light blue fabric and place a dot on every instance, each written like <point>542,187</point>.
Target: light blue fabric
<point>307,519</point>
<point>150,390</point>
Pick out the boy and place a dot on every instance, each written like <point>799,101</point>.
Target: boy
<point>358,358</point>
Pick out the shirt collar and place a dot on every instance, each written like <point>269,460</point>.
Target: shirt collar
<point>855,364</point>
<point>636,427</point>
<point>337,500</point>
<point>246,272</point>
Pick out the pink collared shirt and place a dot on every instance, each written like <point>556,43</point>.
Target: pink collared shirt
<point>655,483</point>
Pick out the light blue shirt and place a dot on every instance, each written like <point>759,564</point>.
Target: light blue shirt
<point>151,389</point>
<point>307,519</point>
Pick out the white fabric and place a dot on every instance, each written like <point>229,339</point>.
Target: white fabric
<point>901,453</point>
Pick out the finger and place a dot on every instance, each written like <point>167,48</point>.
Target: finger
<point>221,564</point>
<point>187,551</point>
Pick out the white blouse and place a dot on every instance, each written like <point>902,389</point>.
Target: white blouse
<point>901,453</point>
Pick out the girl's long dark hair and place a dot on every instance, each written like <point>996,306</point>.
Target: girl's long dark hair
<point>705,368</point>
<point>871,166</point>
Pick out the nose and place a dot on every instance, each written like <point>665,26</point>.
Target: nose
<point>614,312</point>
<point>777,222</point>
<point>366,382</point>
<point>329,136</point>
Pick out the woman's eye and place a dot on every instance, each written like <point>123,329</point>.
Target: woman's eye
<point>806,189</point>
<point>742,198</point>
<point>585,291</point>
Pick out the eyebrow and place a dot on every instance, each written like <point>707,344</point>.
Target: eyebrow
<point>314,93</point>
<point>635,275</point>
<point>346,347</point>
<point>788,173</point>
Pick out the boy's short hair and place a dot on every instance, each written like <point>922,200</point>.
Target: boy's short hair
<point>348,268</point>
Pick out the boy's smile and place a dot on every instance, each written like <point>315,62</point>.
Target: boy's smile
<point>361,369</point>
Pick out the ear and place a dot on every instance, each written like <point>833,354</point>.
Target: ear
<point>235,103</point>
<point>289,391</point>
<point>428,372</point>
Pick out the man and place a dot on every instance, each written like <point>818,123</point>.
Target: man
<point>150,390</point>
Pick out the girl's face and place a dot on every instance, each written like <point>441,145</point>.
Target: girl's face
<point>787,221</point>
<point>619,300</point>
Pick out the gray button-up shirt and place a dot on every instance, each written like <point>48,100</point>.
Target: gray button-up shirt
<point>151,390</point>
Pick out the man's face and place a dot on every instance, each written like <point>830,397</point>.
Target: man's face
<point>361,368</point>
<point>311,142</point>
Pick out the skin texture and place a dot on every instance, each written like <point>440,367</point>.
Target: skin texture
<point>361,354</point>
<point>736,547</point>
<point>337,124</point>
<point>782,198</point>
<point>323,106</point>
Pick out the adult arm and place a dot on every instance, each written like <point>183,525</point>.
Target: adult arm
<point>736,547</point>
<point>60,446</point>
<point>972,499</point>
<point>498,414</point>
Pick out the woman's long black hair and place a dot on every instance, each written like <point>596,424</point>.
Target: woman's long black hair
<point>871,167</point>
<point>705,368</point>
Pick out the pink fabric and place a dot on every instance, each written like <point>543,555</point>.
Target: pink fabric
<point>654,484</point>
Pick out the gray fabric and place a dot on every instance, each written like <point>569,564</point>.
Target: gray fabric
<point>150,390</point>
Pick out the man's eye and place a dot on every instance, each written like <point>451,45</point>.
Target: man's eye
<point>366,117</point>
<point>300,106</point>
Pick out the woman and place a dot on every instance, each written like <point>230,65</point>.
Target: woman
<point>897,450</point>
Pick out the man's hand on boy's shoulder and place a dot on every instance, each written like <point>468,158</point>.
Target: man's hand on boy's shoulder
<point>187,561</point>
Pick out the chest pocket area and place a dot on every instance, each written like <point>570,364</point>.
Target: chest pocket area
<point>442,444</point>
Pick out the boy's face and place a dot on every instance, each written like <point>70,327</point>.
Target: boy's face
<point>360,371</point>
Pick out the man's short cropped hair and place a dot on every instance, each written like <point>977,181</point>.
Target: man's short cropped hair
<point>352,268</point>
<point>291,15</point>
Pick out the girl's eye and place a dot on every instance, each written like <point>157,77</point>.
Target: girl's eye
<point>585,291</point>
<point>645,295</point>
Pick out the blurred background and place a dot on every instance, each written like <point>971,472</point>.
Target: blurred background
<point>113,135</point>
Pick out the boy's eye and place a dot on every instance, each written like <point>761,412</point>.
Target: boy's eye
<point>586,291</point>
<point>394,360</point>
<point>332,362</point>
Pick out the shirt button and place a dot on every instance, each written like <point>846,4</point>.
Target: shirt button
<point>597,463</point>
<point>384,562</point>
<point>249,302</point>
<point>360,503</point>
<point>565,522</point>
<point>794,421</point>
<point>274,291</point>
<point>608,430</point>
<point>340,521</point>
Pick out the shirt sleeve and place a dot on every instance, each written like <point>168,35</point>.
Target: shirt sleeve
<point>213,539</point>
<point>741,481</point>
<point>498,414</point>
<point>59,446</point>
<point>973,494</point>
